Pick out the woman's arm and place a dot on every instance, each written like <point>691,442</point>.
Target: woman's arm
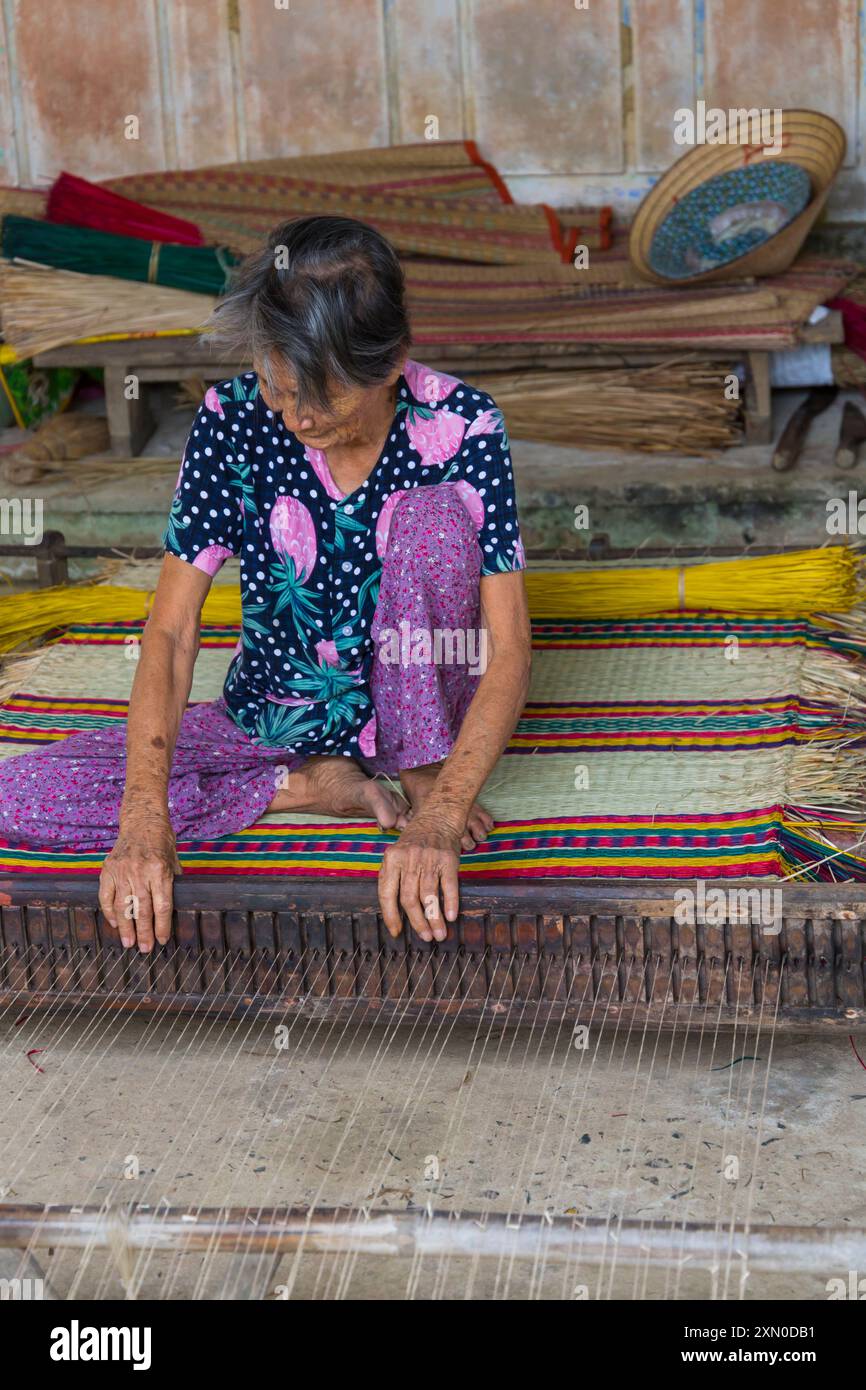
<point>142,865</point>
<point>424,862</point>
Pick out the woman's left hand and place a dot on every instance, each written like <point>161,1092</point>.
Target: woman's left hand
<point>420,875</point>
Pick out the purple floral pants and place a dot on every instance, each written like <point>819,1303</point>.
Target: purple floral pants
<point>427,617</point>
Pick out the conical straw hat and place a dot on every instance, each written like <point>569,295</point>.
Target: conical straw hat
<point>813,141</point>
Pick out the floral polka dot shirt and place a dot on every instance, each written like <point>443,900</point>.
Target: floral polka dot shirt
<point>311,557</point>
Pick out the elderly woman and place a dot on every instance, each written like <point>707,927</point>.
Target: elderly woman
<point>370,501</point>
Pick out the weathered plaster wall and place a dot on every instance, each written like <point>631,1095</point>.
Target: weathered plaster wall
<point>572,103</point>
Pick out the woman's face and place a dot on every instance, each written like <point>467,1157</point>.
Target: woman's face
<point>353,416</point>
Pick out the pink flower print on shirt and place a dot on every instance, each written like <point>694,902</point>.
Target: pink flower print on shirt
<point>367,738</point>
<point>488,422</point>
<point>319,464</point>
<point>436,434</point>
<point>383,525</point>
<point>427,385</point>
<point>293,534</point>
<point>213,402</point>
<point>471,501</point>
<point>212,559</point>
<point>327,652</point>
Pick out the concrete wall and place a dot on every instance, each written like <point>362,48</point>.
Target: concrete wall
<point>573,99</point>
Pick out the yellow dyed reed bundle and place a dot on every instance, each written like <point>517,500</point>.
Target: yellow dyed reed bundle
<point>802,582</point>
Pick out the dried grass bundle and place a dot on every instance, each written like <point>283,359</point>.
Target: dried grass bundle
<point>674,407</point>
<point>63,437</point>
<point>41,308</point>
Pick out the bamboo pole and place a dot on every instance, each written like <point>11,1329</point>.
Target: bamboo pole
<point>781,1249</point>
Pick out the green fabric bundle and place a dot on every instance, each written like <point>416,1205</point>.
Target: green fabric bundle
<point>202,269</point>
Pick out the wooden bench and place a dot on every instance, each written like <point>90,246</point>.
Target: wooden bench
<point>135,363</point>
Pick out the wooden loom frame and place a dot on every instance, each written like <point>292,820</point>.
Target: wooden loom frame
<point>610,953</point>
<point>602,952</point>
<point>544,947</point>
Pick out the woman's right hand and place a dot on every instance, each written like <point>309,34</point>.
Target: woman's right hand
<point>137,882</point>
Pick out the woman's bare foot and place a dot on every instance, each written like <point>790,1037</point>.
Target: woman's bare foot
<point>338,787</point>
<point>418,783</point>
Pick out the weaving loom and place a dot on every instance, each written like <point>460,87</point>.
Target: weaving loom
<point>622,785</point>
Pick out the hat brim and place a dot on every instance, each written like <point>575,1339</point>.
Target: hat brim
<point>814,141</point>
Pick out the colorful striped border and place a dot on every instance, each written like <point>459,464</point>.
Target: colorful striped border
<point>772,841</point>
<point>544,727</point>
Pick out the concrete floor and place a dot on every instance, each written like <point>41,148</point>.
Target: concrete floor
<point>516,1122</point>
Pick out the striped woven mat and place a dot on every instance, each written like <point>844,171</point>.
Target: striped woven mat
<point>444,201</point>
<point>621,765</point>
<point>554,307</point>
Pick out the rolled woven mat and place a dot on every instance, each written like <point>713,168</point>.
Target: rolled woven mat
<point>804,582</point>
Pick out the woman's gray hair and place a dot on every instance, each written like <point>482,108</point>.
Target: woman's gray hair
<point>326,297</point>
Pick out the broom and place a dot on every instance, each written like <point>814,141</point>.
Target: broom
<point>797,584</point>
<point>201,269</point>
<point>82,204</point>
<point>42,308</point>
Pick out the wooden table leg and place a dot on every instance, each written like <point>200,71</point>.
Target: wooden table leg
<point>130,423</point>
<point>759,400</point>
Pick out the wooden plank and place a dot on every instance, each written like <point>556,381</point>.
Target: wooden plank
<point>554,982</point>
<point>686,972</point>
<point>40,949</point>
<point>369,959</point>
<point>820,932</point>
<point>500,959</point>
<point>605,963</point>
<point>711,976</point>
<point>527,983</point>
<point>189,954</point>
<point>130,423</point>
<point>632,961</point>
<point>473,980</point>
<point>314,935</point>
<point>759,400</point>
<point>848,966</point>
<point>214,948</point>
<point>291,954</point>
<point>266,962</point>
<point>62,942</point>
<point>86,934</point>
<point>795,988</point>
<point>342,948</point>
<point>239,963</point>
